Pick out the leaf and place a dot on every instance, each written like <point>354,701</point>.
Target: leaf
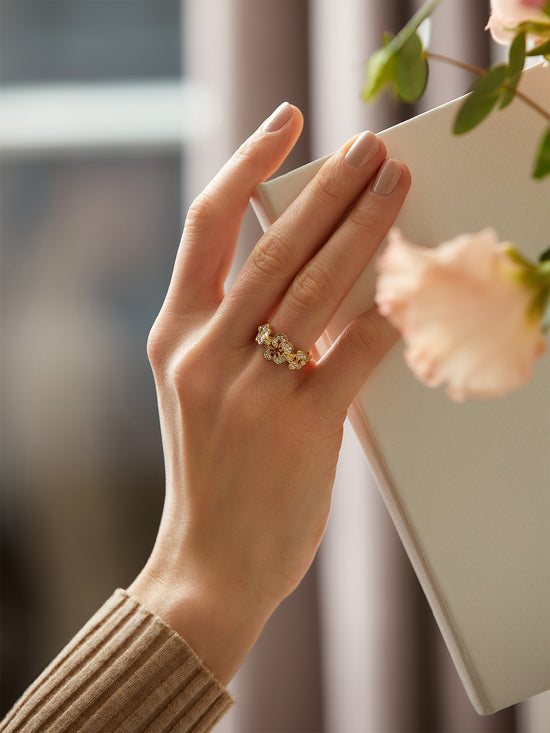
<point>541,50</point>
<point>380,72</point>
<point>516,58</point>
<point>382,65</point>
<point>405,70</point>
<point>542,160</point>
<point>515,67</point>
<point>411,70</point>
<point>481,100</point>
<point>545,255</point>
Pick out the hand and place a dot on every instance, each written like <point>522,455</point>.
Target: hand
<point>251,447</point>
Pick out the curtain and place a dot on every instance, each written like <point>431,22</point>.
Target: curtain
<point>355,649</point>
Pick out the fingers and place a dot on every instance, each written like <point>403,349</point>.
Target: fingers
<point>342,371</point>
<point>301,231</point>
<point>317,291</point>
<point>214,219</point>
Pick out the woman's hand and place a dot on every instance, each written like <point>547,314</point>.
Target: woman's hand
<point>251,447</point>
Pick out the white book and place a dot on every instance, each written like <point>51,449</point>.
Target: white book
<point>467,485</point>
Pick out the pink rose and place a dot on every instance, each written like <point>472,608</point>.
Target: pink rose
<point>464,315</point>
<point>506,15</point>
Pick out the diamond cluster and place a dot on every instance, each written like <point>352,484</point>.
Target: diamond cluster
<point>278,348</point>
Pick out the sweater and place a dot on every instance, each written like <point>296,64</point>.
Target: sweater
<point>125,671</point>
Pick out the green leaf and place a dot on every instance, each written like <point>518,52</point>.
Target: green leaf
<point>516,58</point>
<point>481,100</point>
<point>380,72</point>
<point>405,71</point>
<point>382,65</point>
<point>411,70</point>
<point>541,50</point>
<point>515,67</point>
<point>545,255</point>
<point>542,160</point>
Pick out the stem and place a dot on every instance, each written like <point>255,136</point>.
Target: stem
<point>419,17</point>
<point>480,72</point>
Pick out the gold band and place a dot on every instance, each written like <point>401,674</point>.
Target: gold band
<point>279,350</point>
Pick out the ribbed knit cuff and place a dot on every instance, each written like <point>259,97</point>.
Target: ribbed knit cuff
<point>125,671</point>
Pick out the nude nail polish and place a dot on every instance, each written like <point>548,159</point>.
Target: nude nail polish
<point>387,178</point>
<point>363,149</point>
<point>278,118</point>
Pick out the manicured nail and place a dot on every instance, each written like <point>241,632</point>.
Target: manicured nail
<point>278,118</point>
<point>387,178</point>
<point>363,149</point>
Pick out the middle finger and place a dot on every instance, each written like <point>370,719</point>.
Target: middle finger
<point>295,237</point>
<point>318,289</point>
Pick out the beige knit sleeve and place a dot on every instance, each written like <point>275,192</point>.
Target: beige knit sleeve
<point>125,671</point>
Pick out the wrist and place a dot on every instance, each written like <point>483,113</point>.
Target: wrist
<point>220,625</point>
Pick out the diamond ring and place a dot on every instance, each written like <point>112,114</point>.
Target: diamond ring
<point>279,350</point>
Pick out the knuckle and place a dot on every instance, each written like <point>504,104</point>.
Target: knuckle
<point>272,255</point>
<point>364,336</point>
<point>158,350</point>
<point>312,286</point>
<point>184,372</point>
<point>363,216</point>
<point>174,362</point>
<point>244,153</point>
<point>202,211</point>
<point>325,188</point>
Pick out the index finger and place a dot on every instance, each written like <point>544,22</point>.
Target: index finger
<point>214,219</point>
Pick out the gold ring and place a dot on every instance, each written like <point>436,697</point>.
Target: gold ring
<point>279,350</point>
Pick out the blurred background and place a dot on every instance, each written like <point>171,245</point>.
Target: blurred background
<point>113,116</point>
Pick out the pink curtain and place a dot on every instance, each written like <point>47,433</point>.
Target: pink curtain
<point>355,649</point>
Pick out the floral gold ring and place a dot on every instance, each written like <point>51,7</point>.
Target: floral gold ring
<point>279,350</point>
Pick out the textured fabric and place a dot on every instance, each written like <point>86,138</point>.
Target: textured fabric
<point>125,671</point>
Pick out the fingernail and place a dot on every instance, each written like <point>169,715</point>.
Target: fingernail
<point>387,178</point>
<point>363,149</point>
<point>278,118</point>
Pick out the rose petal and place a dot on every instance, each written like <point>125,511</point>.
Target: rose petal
<point>463,313</point>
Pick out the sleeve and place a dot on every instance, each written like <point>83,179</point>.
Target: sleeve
<point>125,671</point>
